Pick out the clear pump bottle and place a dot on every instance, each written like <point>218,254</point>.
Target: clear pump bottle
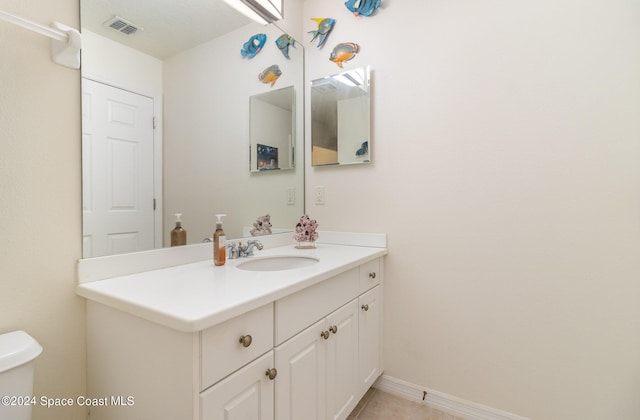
<point>219,243</point>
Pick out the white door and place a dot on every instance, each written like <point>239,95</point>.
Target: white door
<point>117,170</point>
<point>245,395</point>
<point>301,383</point>
<point>342,361</point>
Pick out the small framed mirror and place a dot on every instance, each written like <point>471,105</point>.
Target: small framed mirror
<point>340,118</point>
<point>272,130</point>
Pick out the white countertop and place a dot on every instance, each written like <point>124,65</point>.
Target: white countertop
<point>196,296</point>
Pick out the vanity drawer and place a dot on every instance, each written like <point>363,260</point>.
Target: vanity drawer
<point>370,275</point>
<point>228,346</point>
<point>299,310</point>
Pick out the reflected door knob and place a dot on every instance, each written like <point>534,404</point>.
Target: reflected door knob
<point>272,373</point>
<point>246,340</point>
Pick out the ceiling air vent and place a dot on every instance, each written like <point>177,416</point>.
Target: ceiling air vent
<point>122,25</point>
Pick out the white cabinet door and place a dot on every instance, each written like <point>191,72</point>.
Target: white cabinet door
<point>301,383</point>
<point>247,394</point>
<point>369,338</point>
<point>318,369</point>
<point>342,361</point>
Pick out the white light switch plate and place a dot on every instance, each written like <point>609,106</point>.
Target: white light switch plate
<point>319,196</point>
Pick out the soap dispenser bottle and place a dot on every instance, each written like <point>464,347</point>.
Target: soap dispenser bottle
<point>178,234</point>
<point>219,243</point>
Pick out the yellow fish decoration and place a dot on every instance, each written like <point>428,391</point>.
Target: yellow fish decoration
<point>344,52</point>
<point>270,75</point>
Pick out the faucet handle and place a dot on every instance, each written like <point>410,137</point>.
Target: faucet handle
<point>232,250</point>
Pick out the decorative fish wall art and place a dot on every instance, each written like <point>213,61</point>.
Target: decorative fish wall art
<point>283,43</point>
<point>362,7</point>
<point>270,75</point>
<point>325,25</point>
<point>344,52</point>
<point>253,45</point>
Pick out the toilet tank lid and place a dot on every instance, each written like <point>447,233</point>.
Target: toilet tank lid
<point>17,348</point>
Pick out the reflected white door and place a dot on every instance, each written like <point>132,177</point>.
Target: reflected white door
<point>117,170</point>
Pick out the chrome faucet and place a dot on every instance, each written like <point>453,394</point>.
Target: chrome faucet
<point>247,250</point>
<point>238,250</point>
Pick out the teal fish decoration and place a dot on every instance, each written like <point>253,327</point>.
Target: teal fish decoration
<point>343,52</point>
<point>270,75</point>
<point>363,7</point>
<point>283,43</point>
<point>324,27</point>
<point>253,45</point>
<point>363,150</point>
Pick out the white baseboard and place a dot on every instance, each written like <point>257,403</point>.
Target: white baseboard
<point>442,401</point>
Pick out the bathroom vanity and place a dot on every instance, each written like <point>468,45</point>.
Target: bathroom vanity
<point>200,342</point>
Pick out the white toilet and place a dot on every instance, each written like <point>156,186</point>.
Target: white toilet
<point>17,352</point>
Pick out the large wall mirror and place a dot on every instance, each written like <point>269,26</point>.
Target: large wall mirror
<point>340,118</point>
<point>171,73</point>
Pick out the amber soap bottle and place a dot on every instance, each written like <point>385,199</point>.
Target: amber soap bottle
<point>178,234</point>
<point>219,243</point>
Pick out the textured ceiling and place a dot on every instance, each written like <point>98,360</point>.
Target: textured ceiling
<point>170,26</point>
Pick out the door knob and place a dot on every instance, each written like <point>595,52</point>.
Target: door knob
<point>324,334</point>
<point>365,307</point>
<point>246,340</point>
<point>333,329</point>
<point>272,373</point>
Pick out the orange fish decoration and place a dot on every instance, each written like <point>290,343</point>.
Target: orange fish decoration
<point>344,52</point>
<point>270,75</point>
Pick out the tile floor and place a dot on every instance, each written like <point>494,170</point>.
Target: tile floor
<point>378,405</point>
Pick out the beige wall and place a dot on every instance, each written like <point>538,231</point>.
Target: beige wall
<point>506,172</point>
<point>40,202</point>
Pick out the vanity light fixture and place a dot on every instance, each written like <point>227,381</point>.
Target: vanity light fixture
<point>261,11</point>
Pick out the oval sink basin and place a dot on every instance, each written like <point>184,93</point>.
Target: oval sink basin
<point>277,263</point>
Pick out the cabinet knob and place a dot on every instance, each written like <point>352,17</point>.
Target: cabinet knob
<point>333,329</point>
<point>372,274</point>
<point>272,373</point>
<point>245,340</point>
<point>365,307</point>
<point>324,334</point>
